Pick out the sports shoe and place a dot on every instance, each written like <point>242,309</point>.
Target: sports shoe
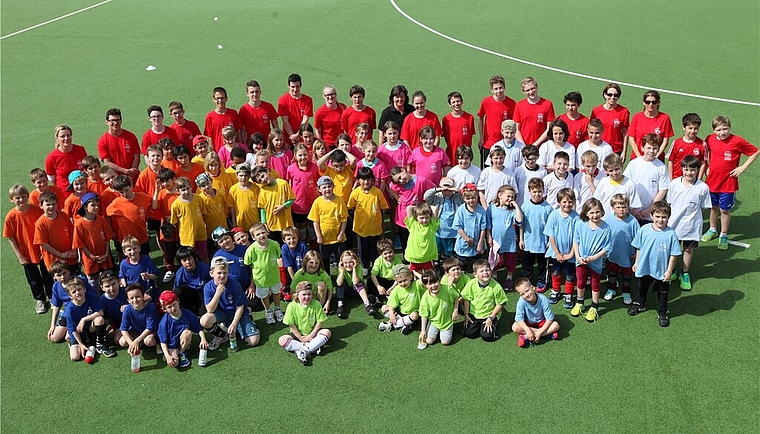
<point>269,316</point>
<point>509,285</point>
<point>554,297</point>
<point>385,326</point>
<point>710,235</point>
<point>318,352</point>
<point>610,294</point>
<point>592,314</point>
<point>303,356</point>
<point>723,243</point>
<point>278,315</point>
<point>541,287</point>
<point>554,336</point>
<point>522,341</point>
<point>673,277</point>
<point>577,310</point>
<point>636,309</point>
<point>217,342</point>
<point>341,312</point>
<point>105,350</point>
<point>285,295</point>
<point>568,301</point>
<point>168,276</point>
<point>627,300</point>
<point>184,361</point>
<point>374,301</point>
<point>685,281</point>
<point>41,306</point>
<point>421,345</point>
<point>370,310</point>
<point>405,330</point>
<point>663,319</point>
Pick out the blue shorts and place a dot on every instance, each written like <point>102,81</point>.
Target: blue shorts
<point>725,201</point>
<point>245,328</point>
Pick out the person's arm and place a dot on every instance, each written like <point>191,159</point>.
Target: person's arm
<point>663,146</point>
<point>342,232</point>
<point>543,136</point>
<point>518,134</point>
<point>53,316</point>
<point>355,277</point>
<point>214,302</point>
<point>670,170</point>
<point>555,249</point>
<point>236,320</point>
<point>318,232</point>
<point>634,147</point>
<point>482,139</point>
<point>481,240</point>
<point>739,170</point>
<point>522,237</point>
<point>660,195</point>
<point>380,288</point>
<point>87,318</point>
<point>702,170</point>
<point>671,268</point>
<point>23,260</point>
<point>63,255</point>
<point>466,312</point>
<point>576,250</point>
<point>340,278</point>
<point>489,322</point>
<point>423,328</point>
<point>322,162</point>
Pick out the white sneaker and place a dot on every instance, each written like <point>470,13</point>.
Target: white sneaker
<point>303,356</point>
<point>279,315</point>
<point>610,294</point>
<point>385,326</point>
<point>216,342</point>
<point>270,317</point>
<point>168,276</point>
<point>40,307</point>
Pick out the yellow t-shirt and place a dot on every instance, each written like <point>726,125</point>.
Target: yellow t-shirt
<point>329,214</point>
<point>246,205</point>
<point>189,218</point>
<point>368,213</point>
<point>224,181</point>
<point>217,210</point>
<point>271,196</point>
<point>343,181</point>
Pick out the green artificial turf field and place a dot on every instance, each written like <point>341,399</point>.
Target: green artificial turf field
<point>619,375</point>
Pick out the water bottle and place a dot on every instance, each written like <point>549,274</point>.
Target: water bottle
<point>135,364</point>
<point>202,356</point>
<point>233,343</point>
<point>89,358</point>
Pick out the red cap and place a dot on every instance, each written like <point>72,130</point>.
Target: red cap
<point>168,297</point>
<point>200,138</point>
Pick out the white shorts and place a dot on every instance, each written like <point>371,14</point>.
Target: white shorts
<point>263,292</point>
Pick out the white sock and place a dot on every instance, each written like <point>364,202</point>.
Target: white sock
<point>402,321</point>
<point>315,343</point>
<point>294,345</point>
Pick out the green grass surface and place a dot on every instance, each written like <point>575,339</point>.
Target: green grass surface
<point>620,374</point>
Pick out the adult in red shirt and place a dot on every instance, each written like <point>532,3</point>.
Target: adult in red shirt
<point>649,121</point>
<point>257,116</point>
<point>494,110</point>
<point>615,118</point>
<point>118,147</point>
<point>64,159</point>
<point>157,130</point>
<point>397,111</point>
<point>186,129</point>
<point>219,118</point>
<point>532,115</point>
<point>421,117</point>
<point>295,108</point>
<point>327,119</point>
<point>358,113</point>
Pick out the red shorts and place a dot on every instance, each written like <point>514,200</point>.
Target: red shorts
<point>423,266</point>
<point>536,326</point>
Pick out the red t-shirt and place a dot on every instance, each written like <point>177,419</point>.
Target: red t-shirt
<point>295,110</point>
<point>723,157</point>
<point>351,117</point>
<point>257,119</point>
<point>215,122</point>
<point>328,122</point>
<point>457,131</point>
<point>614,122</point>
<point>120,150</point>
<point>641,125</point>
<point>61,165</point>
<point>186,133</point>
<point>150,138</point>
<point>495,113</point>
<point>681,149</point>
<point>533,118</point>
<point>20,226</point>
<point>578,129</point>
<point>410,132</point>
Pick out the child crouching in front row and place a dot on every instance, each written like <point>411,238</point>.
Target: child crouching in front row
<point>403,305</point>
<point>305,318</point>
<point>534,318</point>
<point>439,308</point>
<point>484,301</point>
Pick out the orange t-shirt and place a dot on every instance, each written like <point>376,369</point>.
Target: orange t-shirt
<point>19,225</point>
<point>165,201</point>
<point>146,183</point>
<point>130,217</point>
<point>94,235</point>
<point>71,206</point>
<point>58,233</point>
<point>34,196</point>
<point>191,174</point>
<point>97,187</point>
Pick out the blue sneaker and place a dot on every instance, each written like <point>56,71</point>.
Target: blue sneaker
<point>184,361</point>
<point>554,297</point>
<point>627,300</point>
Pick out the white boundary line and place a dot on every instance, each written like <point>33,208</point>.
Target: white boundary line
<point>564,71</point>
<point>54,19</point>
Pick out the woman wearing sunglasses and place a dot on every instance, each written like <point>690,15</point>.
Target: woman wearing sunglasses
<point>649,121</point>
<point>614,117</point>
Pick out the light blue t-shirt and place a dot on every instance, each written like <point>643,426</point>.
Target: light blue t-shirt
<point>534,222</point>
<point>655,249</point>
<point>447,211</point>
<point>592,241</point>
<point>472,223</point>
<point>501,222</point>
<point>534,313</point>
<point>562,229</point>
<point>623,232</point>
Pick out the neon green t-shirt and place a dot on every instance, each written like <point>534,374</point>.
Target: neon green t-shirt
<point>348,278</point>
<point>313,278</point>
<point>483,300</point>
<point>421,246</point>
<point>304,317</point>
<point>438,310</point>
<point>407,298</point>
<point>381,268</point>
<point>263,262</point>
<point>458,286</point>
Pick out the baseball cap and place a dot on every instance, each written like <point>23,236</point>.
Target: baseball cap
<point>219,260</point>
<point>324,180</point>
<point>73,176</point>
<point>200,138</point>
<point>400,269</point>
<point>168,297</point>
<point>243,167</point>
<point>446,182</point>
<point>203,179</point>
<point>218,233</point>
<point>86,198</point>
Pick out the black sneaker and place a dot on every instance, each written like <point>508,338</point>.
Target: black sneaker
<point>636,309</point>
<point>105,350</point>
<point>663,319</point>
<point>370,309</point>
<point>342,314</point>
<point>318,352</point>
<point>406,329</point>
<point>374,301</point>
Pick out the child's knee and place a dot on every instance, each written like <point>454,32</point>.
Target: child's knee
<point>253,340</point>
<point>516,328</point>
<point>208,320</point>
<point>326,333</point>
<point>414,316</point>
<point>99,321</point>
<point>185,339</point>
<point>284,340</point>
<point>151,341</point>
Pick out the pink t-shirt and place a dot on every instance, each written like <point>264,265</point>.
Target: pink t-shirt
<point>430,165</point>
<point>401,157</point>
<point>281,162</point>
<point>304,185</point>
<point>224,154</point>
<point>410,196</point>
<point>378,169</point>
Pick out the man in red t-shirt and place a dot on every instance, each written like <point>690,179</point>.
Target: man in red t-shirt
<point>532,115</point>
<point>494,110</point>
<point>157,130</point>
<point>295,108</point>
<point>219,118</point>
<point>257,116</point>
<point>118,147</point>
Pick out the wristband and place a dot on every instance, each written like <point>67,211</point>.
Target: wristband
<point>492,318</point>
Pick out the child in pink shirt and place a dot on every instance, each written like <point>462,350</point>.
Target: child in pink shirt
<point>371,161</point>
<point>430,161</point>
<point>281,156</point>
<point>394,152</point>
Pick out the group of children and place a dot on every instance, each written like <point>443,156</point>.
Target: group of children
<point>566,209</point>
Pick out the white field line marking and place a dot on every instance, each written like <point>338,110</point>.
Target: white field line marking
<point>738,244</point>
<point>54,19</point>
<point>564,71</point>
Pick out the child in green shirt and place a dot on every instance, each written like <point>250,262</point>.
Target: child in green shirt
<point>484,301</point>
<point>403,303</point>
<point>439,308</point>
<point>305,318</point>
<point>263,256</point>
<point>422,247</point>
<point>382,270</point>
<point>313,271</point>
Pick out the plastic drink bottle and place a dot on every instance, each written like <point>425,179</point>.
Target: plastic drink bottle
<point>233,343</point>
<point>135,363</point>
<point>90,356</point>
<point>202,356</point>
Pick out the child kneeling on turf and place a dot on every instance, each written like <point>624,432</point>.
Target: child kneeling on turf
<point>139,321</point>
<point>484,301</point>
<point>226,303</point>
<point>305,318</point>
<point>534,318</point>
<point>84,316</point>
<point>439,308</point>
<point>175,331</point>
<point>403,303</point>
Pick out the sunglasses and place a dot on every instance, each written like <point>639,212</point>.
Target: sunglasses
<point>651,101</point>
<point>612,95</point>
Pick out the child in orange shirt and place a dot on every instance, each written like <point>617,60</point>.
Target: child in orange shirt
<point>91,236</point>
<point>41,184</point>
<point>163,198</point>
<point>54,233</point>
<point>186,168</point>
<point>95,184</point>
<point>19,229</point>
<point>78,188</point>
<point>128,213</point>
